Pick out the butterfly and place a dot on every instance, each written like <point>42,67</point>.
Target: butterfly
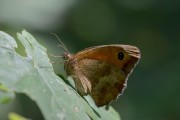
<point>102,71</point>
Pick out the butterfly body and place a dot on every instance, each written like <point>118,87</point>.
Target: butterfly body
<point>102,71</point>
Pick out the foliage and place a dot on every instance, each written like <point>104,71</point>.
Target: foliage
<point>33,75</point>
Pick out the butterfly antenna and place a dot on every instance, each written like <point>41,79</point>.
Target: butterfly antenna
<point>62,44</point>
<point>63,48</point>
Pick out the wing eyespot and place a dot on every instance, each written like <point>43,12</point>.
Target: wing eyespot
<point>120,55</point>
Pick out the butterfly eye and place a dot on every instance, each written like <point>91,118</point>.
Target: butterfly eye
<point>120,56</point>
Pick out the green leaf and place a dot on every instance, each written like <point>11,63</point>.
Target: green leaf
<point>14,116</point>
<point>5,94</point>
<point>34,76</point>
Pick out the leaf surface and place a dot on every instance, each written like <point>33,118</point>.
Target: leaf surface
<point>33,75</point>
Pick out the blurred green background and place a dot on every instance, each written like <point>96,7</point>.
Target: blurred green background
<point>153,91</point>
